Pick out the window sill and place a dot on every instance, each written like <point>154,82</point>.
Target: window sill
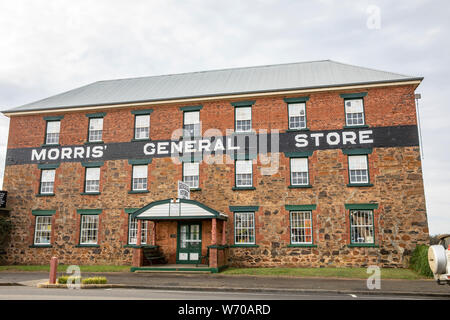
<point>243,188</point>
<point>45,195</point>
<point>297,130</point>
<point>196,189</point>
<point>137,140</point>
<point>191,137</point>
<point>356,126</point>
<point>300,186</point>
<point>50,145</point>
<point>236,133</point>
<point>138,191</point>
<point>41,246</point>
<point>362,245</point>
<point>360,185</point>
<point>90,193</point>
<point>87,246</point>
<point>244,246</point>
<point>302,245</point>
<point>135,246</point>
<point>94,142</point>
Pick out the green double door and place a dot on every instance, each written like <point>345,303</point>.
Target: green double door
<point>189,245</point>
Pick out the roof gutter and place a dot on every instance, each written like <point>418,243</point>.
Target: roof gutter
<point>412,81</point>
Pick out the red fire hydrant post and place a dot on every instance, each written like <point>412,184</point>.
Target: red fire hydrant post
<point>53,269</point>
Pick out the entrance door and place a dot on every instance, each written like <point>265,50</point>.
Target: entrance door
<point>189,242</point>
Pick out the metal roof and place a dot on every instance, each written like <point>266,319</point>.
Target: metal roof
<point>290,76</point>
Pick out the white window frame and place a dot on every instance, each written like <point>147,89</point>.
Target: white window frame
<point>293,114</point>
<point>40,226</point>
<point>90,132</point>
<point>247,224</point>
<point>133,229</point>
<point>364,226</point>
<point>302,159</point>
<point>249,164</point>
<point>295,224</point>
<point>87,174</point>
<point>52,131</point>
<point>140,126</point>
<point>142,180</point>
<point>347,112</point>
<point>194,179</point>
<point>360,168</point>
<point>239,119</point>
<point>50,182</point>
<point>89,229</point>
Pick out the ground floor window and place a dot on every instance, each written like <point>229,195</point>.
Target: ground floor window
<point>43,230</point>
<point>301,227</point>
<point>361,226</point>
<point>244,228</point>
<point>133,230</point>
<point>89,229</point>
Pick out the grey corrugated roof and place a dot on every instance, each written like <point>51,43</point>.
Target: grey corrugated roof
<point>302,75</point>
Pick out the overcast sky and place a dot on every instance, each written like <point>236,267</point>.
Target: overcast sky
<point>48,47</point>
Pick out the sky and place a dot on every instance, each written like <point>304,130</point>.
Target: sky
<point>48,47</point>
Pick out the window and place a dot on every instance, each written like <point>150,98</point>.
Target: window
<point>361,226</point>
<point>191,174</point>
<point>358,169</point>
<point>354,112</point>
<point>299,171</point>
<point>301,227</point>
<point>142,126</point>
<point>95,129</point>
<point>244,173</point>
<point>47,181</point>
<point>42,230</point>
<point>139,177</point>
<point>243,119</point>
<point>92,180</point>
<point>297,115</point>
<point>244,227</point>
<point>52,132</point>
<point>89,229</point>
<point>191,124</point>
<point>133,229</point>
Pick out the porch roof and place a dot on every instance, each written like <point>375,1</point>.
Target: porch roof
<point>179,209</point>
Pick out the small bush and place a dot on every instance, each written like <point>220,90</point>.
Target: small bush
<point>94,280</point>
<point>419,261</point>
<point>64,279</point>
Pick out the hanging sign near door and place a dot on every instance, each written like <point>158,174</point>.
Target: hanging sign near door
<point>184,191</point>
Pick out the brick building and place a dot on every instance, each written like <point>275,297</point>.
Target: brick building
<point>303,164</point>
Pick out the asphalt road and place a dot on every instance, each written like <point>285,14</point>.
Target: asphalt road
<point>31,293</point>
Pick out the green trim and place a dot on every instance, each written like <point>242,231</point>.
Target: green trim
<point>192,108</point>
<point>193,157</point>
<point>242,133</point>
<point>48,166</point>
<point>195,189</point>
<point>90,193</point>
<point>142,112</point>
<point>302,245</point>
<point>216,246</point>
<point>94,142</point>
<point>40,246</point>
<point>45,194</point>
<point>244,246</point>
<point>361,206</point>
<point>297,130</point>
<point>360,185</point>
<point>89,211</point>
<point>43,212</point>
<point>357,95</point>
<point>50,145</point>
<point>138,191</point>
<point>247,103</point>
<point>296,100</point>
<point>243,156</point>
<point>302,154</point>
<point>96,115</point>
<point>143,139</point>
<point>138,247</point>
<point>87,246</point>
<point>300,186</point>
<point>140,161</point>
<point>243,188</point>
<point>362,245</point>
<point>130,210</point>
<point>53,118</point>
<point>354,152</point>
<point>295,207</point>
<point>243,208</point>
<point>92,164</point>
<point>357,126</point>
<point>189,249</point>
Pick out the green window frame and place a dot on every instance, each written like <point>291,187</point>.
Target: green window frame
<point>306,230</point>
<point>133,229</point>
<point>247,229</point>
<point>240,105</point>
<point>89,227</point>
<point>349,98</point>
<point>362,227</point>
<point>43,226</point>
<point>45,174</point>
<point>291,102</point>
<point>243,186</point>
<point>92,117</point>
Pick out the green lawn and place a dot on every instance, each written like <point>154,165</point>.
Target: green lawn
<point>62,268</point>
<point>356,273</point>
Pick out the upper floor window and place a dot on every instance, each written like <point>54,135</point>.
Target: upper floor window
<point>139,181</point>
<point>47,181</point>
<point>243,117</point>
<point>244,173</point>
<point>358,169</point>
<point>191,124</point>
<point>354,112</point>
<point>191,174</point>
<point>142,126</point>
<point>92,180</point>
<point>297,115</point>
<point>299,171</point>
<point>95,129</point>
<point>42,230</point>
<point>52,132</point>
